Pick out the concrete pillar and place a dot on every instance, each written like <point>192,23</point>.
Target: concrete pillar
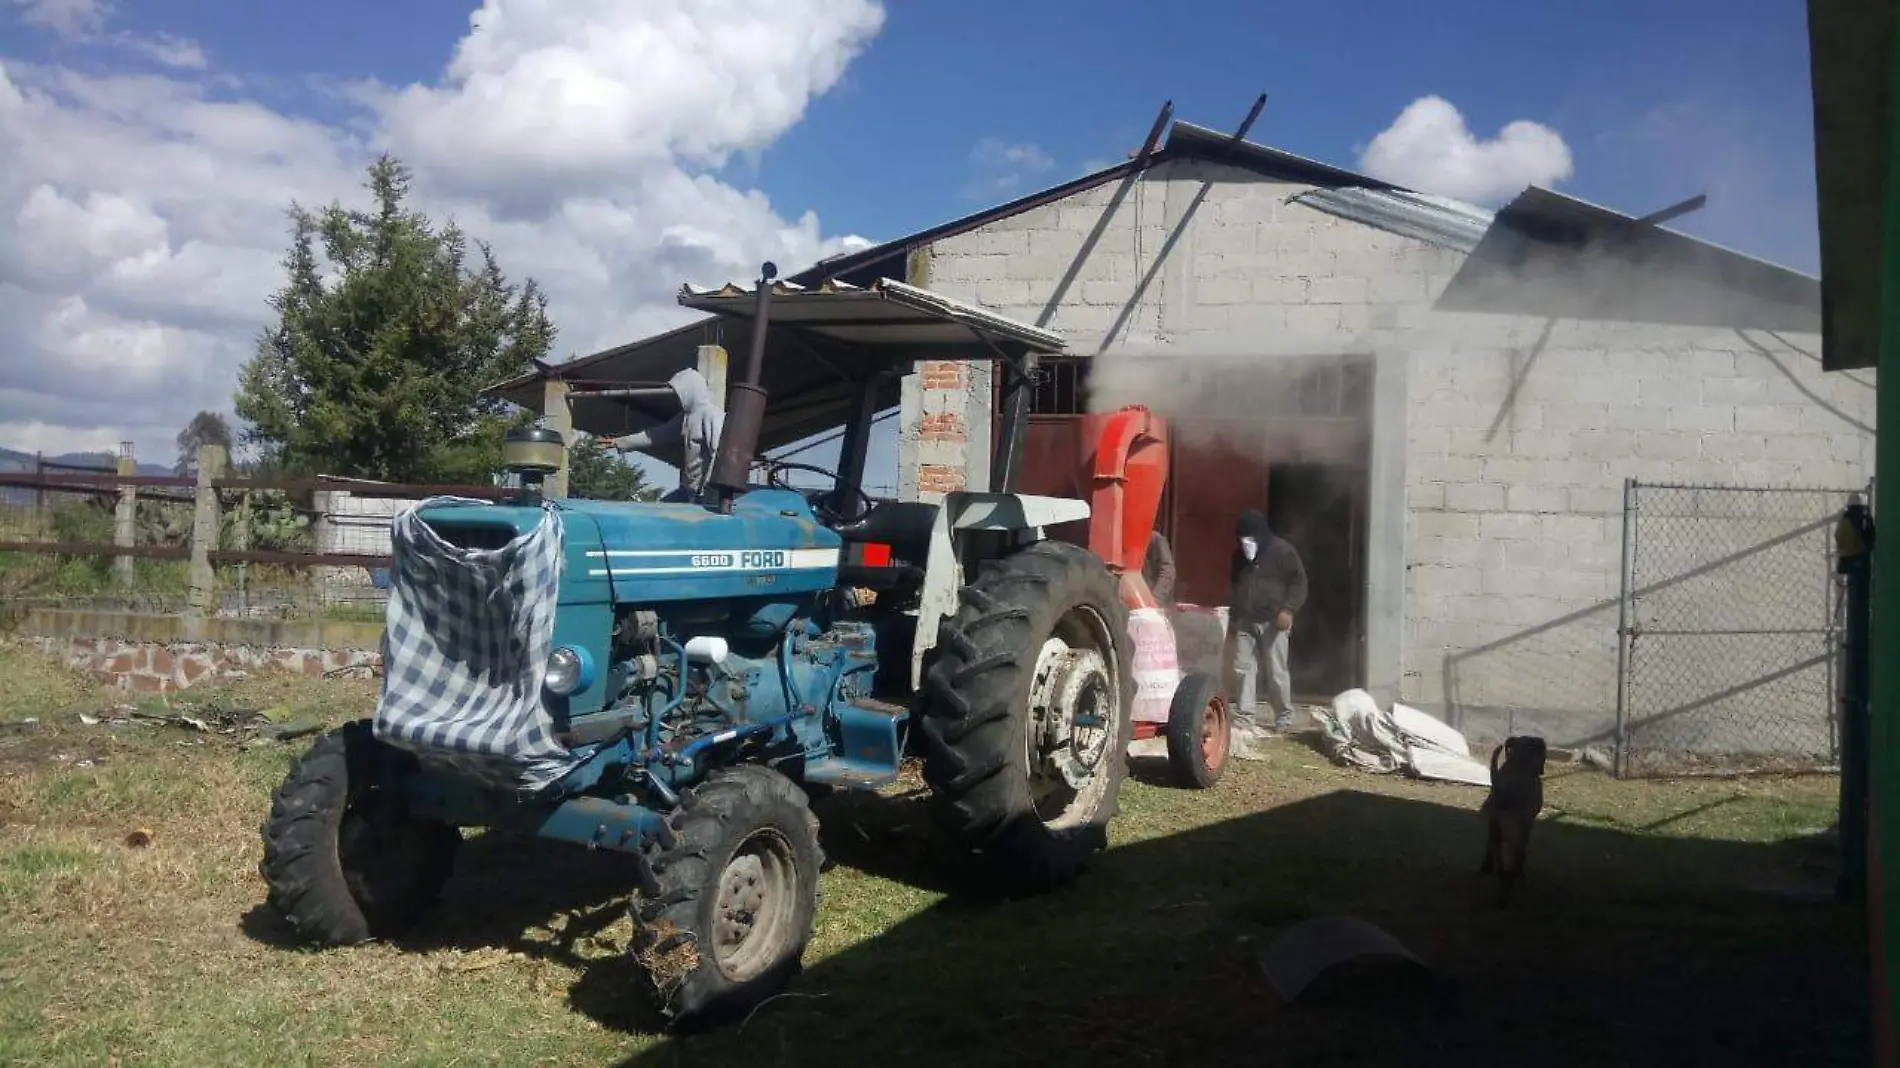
<point>556,417</point>
<point>202,597</point>
<point>125,519</point>
<point>712,367</point>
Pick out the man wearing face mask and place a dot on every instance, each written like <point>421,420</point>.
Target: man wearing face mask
<point>1269,588</point>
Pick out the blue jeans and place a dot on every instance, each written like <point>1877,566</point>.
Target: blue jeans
<point>1254,642</point>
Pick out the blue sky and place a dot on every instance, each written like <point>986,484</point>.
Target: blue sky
<point>1658,101</point>
<point>880,121</point>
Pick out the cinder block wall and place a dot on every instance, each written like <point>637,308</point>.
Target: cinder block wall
<point>1495,543</point>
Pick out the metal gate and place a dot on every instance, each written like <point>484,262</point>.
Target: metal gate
<point>1730,627</point>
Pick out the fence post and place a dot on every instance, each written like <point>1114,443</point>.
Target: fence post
<point>39,495</point>
<point>204,531</point>
<point>125,519</point>
<point>241,541</point>
<point>1621,758</point>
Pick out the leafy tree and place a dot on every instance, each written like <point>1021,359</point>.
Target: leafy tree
<point>205,428</point>
<point>376,371</point>
<point>597,472</point>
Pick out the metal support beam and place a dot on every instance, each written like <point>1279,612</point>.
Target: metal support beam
<point>1246,124</point>
<point>853,451</point>
<point>1019,382</point>
<point>1154,132</point>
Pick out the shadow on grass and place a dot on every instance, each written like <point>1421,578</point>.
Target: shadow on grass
<point>1621,949</point>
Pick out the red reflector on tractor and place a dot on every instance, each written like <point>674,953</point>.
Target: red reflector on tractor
<point>874,554</point>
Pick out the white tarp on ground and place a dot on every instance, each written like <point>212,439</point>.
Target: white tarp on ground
<point>1356,731</point>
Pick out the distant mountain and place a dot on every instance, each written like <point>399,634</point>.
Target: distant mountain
<point>15,460</point>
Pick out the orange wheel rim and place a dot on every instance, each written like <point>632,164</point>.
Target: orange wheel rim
<point>1214,734</point>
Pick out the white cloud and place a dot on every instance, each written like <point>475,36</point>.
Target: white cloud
<point>1002,167</point>
<point>68,18</point>
<point>180,52</point>
<point>1429,148</point>
<point>142,219</point>
<point>84,22</point>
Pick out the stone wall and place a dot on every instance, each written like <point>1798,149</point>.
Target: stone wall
<point>160,667</point>
<point>160,654</point>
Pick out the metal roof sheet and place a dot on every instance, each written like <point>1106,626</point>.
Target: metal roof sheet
<point>1554,255</point>
<point>887,313</point>
<point>1440,221</point>
<point>823,340</point>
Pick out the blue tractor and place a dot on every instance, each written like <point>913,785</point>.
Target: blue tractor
<point>677,681</point>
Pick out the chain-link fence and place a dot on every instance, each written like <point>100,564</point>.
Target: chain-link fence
<point>1730,619</point>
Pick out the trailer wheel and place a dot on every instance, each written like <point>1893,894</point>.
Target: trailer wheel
<point>1025,714</point>
<point>728,897</point>
<point>344,861</point>
<point>1199,731</point>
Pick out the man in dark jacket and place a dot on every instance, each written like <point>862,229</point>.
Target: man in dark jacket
<point>1269,588</point>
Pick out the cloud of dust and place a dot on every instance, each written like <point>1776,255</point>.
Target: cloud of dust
<point>1272,402</point>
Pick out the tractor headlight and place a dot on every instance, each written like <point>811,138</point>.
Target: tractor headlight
<point>569,671</point>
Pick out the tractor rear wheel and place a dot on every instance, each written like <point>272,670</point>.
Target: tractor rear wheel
<point>1199,731</point>
<point>343,860</point>
<point>1025,713</point>
<point>728,897</point>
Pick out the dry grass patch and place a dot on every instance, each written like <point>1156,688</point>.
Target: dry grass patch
<point>1638,936</point>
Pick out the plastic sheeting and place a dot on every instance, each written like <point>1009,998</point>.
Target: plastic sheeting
<point>1357,732</point>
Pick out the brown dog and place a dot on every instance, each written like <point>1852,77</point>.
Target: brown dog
<point>1517,796</point>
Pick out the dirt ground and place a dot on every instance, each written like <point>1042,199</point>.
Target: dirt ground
<point>1665,923</point>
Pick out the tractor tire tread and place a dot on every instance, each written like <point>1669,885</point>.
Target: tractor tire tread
<point>692,992</point>
<point>302,866</point>
<point>972,712</point>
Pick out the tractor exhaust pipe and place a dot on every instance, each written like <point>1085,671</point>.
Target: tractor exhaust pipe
<point>745,407</point>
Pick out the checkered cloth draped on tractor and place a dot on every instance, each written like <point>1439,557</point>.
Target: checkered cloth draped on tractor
<point>465,642</point>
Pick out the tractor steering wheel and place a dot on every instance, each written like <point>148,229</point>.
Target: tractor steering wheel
<point>820,500</point>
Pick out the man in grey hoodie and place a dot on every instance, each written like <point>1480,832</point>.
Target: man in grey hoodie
<point>695,430</point>
<point>1269,588</point>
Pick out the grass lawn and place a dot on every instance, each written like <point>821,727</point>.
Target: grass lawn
<point>1660,926</point>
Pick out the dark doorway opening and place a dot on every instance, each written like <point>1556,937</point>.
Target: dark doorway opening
<point>1320,509</point>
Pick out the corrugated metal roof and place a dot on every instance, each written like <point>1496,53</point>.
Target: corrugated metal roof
<point>1440,221</point>
<point>886,314</point>
<point>1186,140</point>
<point>824,340</point>
<point>1554,255</point>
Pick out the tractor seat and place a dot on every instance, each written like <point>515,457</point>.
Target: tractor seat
<point>903,525</point>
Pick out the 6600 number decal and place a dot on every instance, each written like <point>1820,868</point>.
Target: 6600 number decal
<point>750,558</point>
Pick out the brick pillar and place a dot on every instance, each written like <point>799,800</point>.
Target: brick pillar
<point>934,436</point>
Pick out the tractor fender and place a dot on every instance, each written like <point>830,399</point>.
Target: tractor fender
<point>965,511</point>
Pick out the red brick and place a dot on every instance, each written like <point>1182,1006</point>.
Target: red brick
<point>946,427</point>
<point>939,478</point>
<point>148,684</point>
<point>123,661</point>
<point>163,662</point>
<point>194,668</point>
<point>941,374</point>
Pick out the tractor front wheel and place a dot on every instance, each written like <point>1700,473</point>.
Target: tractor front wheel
<point>1026,713</point>
<point>343,860</point>
<point>729,896</point>
<point>1199,731</point>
